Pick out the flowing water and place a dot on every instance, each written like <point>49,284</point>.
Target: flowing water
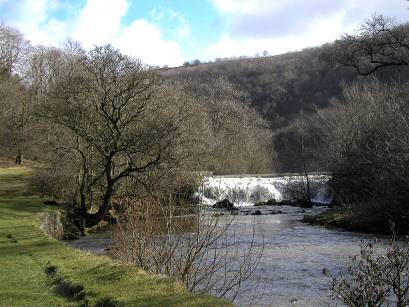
<point>246,191</point>
<point>297,259</point>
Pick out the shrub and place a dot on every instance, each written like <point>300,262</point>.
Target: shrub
<point>367,138</point>
<point>376,278</point>
<point>199,250</point>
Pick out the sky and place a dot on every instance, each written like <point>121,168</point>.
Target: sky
<point>170,32</point>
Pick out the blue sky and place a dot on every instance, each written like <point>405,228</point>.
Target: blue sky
<point>169,32</point>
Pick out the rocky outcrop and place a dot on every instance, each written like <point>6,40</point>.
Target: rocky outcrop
<point>61,224</point>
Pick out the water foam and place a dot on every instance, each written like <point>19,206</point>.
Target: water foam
<point>246,191</point>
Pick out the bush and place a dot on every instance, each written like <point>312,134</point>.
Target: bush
<point>52,184</point>
<point>376,278</point>
<point>367,138</point>
<point>201,251</point>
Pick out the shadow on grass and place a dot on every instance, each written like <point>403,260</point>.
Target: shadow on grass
<point>107,302</point>
<point>64,287</point>
<point>75,292</point>
<point>69,290</point>
<point>21,205</point>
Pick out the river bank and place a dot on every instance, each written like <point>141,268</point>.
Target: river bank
<point>344,219</point>
<point>333,218</point>
<point>37,270</point>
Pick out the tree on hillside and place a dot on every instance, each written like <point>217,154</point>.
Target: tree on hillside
<point>242,140</point>
<point>15,103</point>
<point>16,115</point>
<point>13,47</point>
<point>380,42</point>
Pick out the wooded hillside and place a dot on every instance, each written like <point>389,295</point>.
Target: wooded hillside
<point>282,87</point>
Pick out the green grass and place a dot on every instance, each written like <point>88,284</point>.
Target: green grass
<point>26,253</point>
<point>333,218</point>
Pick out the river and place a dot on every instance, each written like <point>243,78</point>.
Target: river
<point>297,261</point>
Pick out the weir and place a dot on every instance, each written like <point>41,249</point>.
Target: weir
<point>249,189</point>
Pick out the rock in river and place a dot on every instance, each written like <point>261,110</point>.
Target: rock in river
<point>224,204</point>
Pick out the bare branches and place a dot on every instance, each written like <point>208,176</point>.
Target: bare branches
<point>367,143</point>
<point>128,121</point>
<point>189,245</point>
<point>380,42</point>
<point>376,278</point>
<point>12,48</point>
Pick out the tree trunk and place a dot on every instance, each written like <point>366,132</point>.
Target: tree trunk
<point>19,159</point>
<point>21,139</point>
<point>92,219</point>
<point>308,183</point>
<point>309,203</point>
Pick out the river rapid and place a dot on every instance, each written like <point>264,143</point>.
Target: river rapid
<point>297,261</point>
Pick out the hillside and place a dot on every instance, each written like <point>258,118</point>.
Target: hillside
<point>281,87</point>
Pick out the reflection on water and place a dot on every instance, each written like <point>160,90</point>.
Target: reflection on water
<point>290,272</point>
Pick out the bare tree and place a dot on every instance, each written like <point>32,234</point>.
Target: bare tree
<point>13,47</point>
<point>367,143</point>
<point>14,101</point>
<point>16,116</point>
<point>242,139</point>
<point>300,127</point>
<point>380,42</point>
<point>122,122</point>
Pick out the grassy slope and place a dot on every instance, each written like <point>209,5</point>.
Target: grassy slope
<point>25,253</point>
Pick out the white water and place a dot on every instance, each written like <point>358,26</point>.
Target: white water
<point>246,191</point>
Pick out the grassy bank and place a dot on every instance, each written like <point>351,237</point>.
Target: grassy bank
<point>36,270</point>
<point>341,218</point>
<point>333,218</point>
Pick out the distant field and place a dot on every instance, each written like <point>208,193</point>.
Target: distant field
<point>36,270</point>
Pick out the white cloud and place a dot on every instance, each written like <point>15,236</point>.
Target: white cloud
<point>177,24</point>
<point>144,40</point>
<point>244,6</point>
<point>262,7</point>
<point>101,22</point>
<point>32,14</point>
<point>279,26</point>
<point>322,31</point>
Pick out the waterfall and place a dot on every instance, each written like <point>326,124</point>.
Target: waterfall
<point>246,191</point>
